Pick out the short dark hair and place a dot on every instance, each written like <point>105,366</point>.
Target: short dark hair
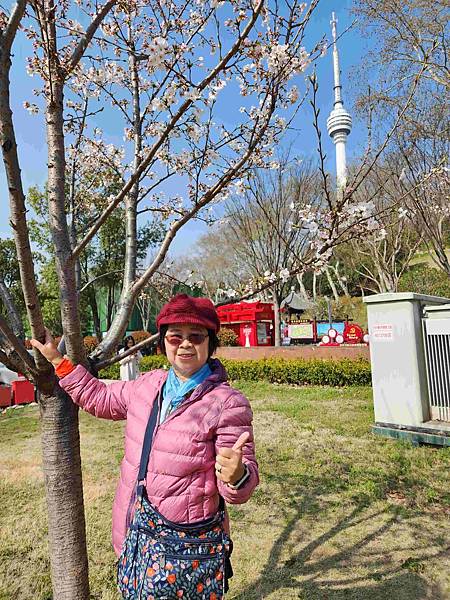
<point>213,340</point>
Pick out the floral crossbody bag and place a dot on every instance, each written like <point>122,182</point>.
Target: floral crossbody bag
<point>163,560</point>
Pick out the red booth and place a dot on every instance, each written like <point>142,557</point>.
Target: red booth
<point>5,396</point>
<point>23,391</point>
<point>251,321</point>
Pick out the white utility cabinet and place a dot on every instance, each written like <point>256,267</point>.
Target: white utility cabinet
<point>409,335</point>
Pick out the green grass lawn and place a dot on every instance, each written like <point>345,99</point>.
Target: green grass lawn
<point>339,515</point>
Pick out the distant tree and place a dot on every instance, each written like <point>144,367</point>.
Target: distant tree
<point>48,289</point>
<point>11,295</point>
<point>261,229</point>
<point>103,261</point>
<point>213,263</point>
<point>424,148</point>
<point>163,286</point>
<point>383,255</point>
<point>412,40</point>
<point>411,35</point>
<point>100,265</point>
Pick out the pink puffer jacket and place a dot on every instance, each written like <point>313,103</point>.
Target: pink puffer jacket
<point>181,480</point>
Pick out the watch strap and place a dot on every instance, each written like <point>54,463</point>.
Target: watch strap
<point>242,481</point>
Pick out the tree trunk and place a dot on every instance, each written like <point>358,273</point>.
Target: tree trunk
<point>109,308</point>
<point>95,316</point>
<point>276,322</point>
<point>60,436</point>
<point>332,284</point>
<point>126,302</point>
<point>341,280</point>
<point>65,266</point>
<point>64,493</point>
<point>73,243</point>
<point>303,291</point>
<point>132,197</point>
<point>442,259</point>
<point>116,325</point>
<point>18,214</point>
<point>314,286</point>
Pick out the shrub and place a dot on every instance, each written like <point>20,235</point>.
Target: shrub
<point>156,361</point>
<point>140,335</point>
<point>111,372</point>
<point>300,372</point>
<point>425,279</point>
<point>278,370</point>
<point>90,343</point>
<point>227,337</point>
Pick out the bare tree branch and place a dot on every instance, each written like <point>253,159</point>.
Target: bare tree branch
<point>91,281</point>
<point>111,361</point>
<point>14,316</point>
<point>361,174</point>
<point>90,32</point>
<point>14,345</point>
<point>9,34</point>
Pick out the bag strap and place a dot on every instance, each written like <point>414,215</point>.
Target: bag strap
<point>147,446</point>
<point>148,438</point>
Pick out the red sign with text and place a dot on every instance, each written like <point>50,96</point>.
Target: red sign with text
<point>353,334</point>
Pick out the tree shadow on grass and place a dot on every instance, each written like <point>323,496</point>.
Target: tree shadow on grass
<point>304,573</point>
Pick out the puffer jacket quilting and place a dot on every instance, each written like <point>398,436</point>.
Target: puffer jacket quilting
<point>181,480</point>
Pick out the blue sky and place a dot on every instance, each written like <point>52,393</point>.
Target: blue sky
<point>31,134</point>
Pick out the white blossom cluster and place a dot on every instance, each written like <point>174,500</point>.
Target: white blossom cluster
<point>199,92</point>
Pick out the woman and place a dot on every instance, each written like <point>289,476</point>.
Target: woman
<point>202,450</point>
<point>129,366</point>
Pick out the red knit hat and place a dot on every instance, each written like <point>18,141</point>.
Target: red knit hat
<point>189,310</point>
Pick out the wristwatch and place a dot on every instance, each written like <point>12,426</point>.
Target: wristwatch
<point>242,481</point>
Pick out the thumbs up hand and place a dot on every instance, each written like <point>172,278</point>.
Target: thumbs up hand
<point>229,466</point>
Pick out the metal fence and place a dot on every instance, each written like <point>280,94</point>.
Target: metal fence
<point>437,352</point>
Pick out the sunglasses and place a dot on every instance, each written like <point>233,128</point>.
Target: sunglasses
<point>175,339</point>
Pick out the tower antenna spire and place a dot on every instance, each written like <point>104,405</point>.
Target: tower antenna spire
<point>337,73</point>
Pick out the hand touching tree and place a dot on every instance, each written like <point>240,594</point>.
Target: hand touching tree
<point>48,349</point>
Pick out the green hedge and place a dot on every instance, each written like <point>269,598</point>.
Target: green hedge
<point>156,361</point>
<point>300,372</point>
<point>111,372</point>
<point>148,363</point>
<point>278,370</point>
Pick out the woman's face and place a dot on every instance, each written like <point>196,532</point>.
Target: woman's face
<point>187,357</point>
<point>130,343</point>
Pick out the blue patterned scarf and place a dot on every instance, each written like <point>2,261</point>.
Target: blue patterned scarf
<point>175,390</point>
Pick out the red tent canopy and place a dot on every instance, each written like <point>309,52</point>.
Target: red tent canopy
<point>245,311</point>
<point>251,321</point>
